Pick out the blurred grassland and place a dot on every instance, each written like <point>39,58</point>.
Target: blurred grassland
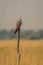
<point>31,52</point>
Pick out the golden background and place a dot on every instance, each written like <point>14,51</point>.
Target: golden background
<point>31,52</point>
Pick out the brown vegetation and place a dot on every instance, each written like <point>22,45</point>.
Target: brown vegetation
<point>31,52</point>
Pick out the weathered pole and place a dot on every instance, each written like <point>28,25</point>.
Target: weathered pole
<point>18,47</point>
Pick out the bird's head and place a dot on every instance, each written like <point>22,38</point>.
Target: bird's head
<point>20,20</point>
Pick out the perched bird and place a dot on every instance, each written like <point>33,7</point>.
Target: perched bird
<point>18,25</point>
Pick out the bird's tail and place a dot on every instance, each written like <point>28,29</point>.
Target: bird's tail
<point>15,31</point>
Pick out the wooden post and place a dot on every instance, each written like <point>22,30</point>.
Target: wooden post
<point>18,47</point>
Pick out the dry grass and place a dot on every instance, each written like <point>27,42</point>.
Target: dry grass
<point>31,52</point>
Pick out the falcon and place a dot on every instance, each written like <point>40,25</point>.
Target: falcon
<point>18,25</point>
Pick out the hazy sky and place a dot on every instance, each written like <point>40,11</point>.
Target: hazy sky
<point>31,11</point>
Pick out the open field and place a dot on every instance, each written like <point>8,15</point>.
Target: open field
<point>31,52</point>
